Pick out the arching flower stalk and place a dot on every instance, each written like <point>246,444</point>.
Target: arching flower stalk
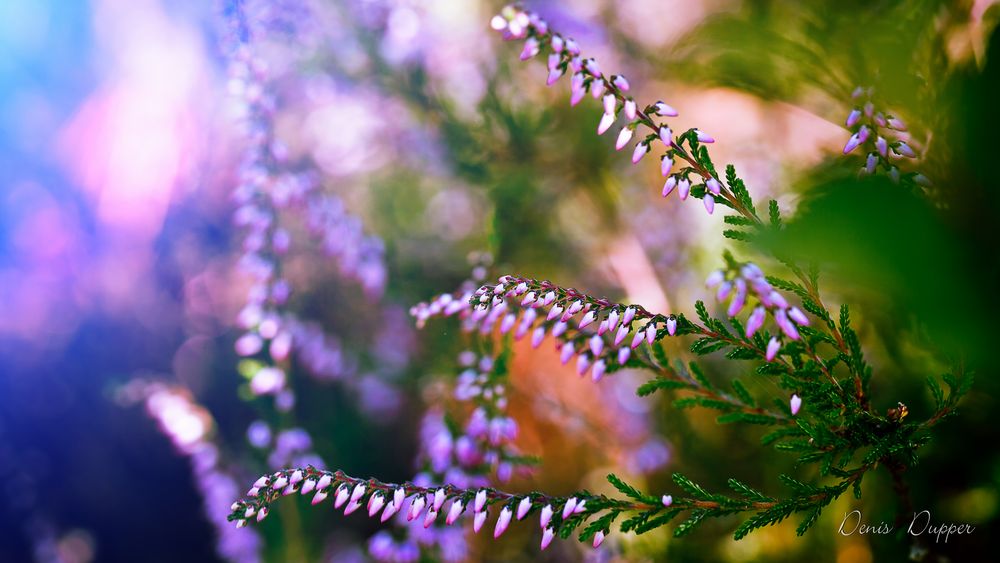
<point>881,137</point>
<point>684,160</point>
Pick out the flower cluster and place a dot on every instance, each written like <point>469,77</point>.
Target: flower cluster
<point>696,177</point>
<point>882,135</point>
<point>429,505</point>
<point>742,282</point>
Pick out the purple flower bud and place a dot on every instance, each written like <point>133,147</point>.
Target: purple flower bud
<point>725,288</point>
<point>598,539</point>
<point>439,496</point>
<point>547,536</point>
<point>671,326</point>
<point>588,317</point>
<point>709,203</point>
<point>669,185</point>
<point>703,137</point>
<point>713,186</point>
<point>665,109</point>
<point>852,143</point>
<point>853,118</point>
<point>869,109</point>
<point>390,510</point>
<point>598,372</point>
<point>781,318</point>
<point>553,62</point>
<point>863,133</point>
<point>795,404</point>
<point>666,163</point>
<point>248,344</point>
<point>638,338</point>
<point>556,311</point>
<point>857,93</point>
<point>508,323</point>
<point>576,93</point>
<point>582,364</point>
<point>607,120</point>
<point>613,319</point>
<point>871,163</point>
<point>572,47</point>
<point>280,482</point>
<point>667,136</point>
<point>904,149</point>
<point>597,89</point>
<point>880,119</point>
<point>630,110</point>
<point>416,507</point>
<point>667,500</point>
<point>623,355</point>
<point>620,82</point>
<point>755,321</point>
<point>896,124</point>
<point>545,517</point>
<point>772,348</point>
<point>262,513</point>
<point>502,522</point>
<point>261,482</point>
<point>623,138</point>
<point>523,507</point>
<point>922,180</point>
<point>592,68</point>
<point>430,517</point>
<point>894,174</point>
<point>881,146</point>
<point>683,188</point>
<point>351,507</point>
<point>498,23</point>
<point>308,486</point>
<point>529,298</point>
<point>639,152</point>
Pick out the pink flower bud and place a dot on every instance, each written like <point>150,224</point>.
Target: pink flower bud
<point>755,321</point>
<point>582,364</point>
<point>623,138</point>
<point>638,338</point>
<point>566,353</point>
<point>498,23</point>
<point>863,133</point>
<point>530,49</point>
<point>523,507</point>
<point>881,146</point>
<point>439,496</point>
<point>262,514</point>
<point>558,43</point>
<point>596,345</point>
<point>597,89</point>
<point>669,185</point>
<point>630,110</point>
<point>588,318</point>
<point>904,149</point>
<point>568,507</point>
<point>480,500</point>
<point>651,333</point>
<point>639,152</point>
<point>665,110</point>
<point>598,372</point>
<point>416,507</point>
<point>683,188</point>
<point>623,355</point>
<point>609,104</point>
<point>871,162</point>
<point>454,512</point>
<point>666,164</point>
<point>343,492</point>
<point>621,334</point>
<point>351,507</point>
<point>671,326</point>
<point>795,404</point>
<point>709,203</point>
<point>713,186</point>
<point>554,76</point>
<point>479,520</point>
<point>798,316</point>
<point>772,348</point>
<point>598,539</point>
<point>554,312</point>
<point>667,500</point>
<point>502,522</point>
<point>375,503</point>
<point>896,124</point>
<point>591,66</point>
<point>667,136</point>
<point>430,517</point>
<point>537,336</point>
<point>547,536</point>
<point>620,82</point>
<point>607,120</point>
<point>703,137</point>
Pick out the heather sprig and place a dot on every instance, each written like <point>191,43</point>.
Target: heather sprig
<point>882,137</point>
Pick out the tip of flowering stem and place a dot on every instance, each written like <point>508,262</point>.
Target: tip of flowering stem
<point>795,403</point>
<point>667,500</point>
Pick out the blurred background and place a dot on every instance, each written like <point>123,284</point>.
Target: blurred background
<point>401,145</point>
